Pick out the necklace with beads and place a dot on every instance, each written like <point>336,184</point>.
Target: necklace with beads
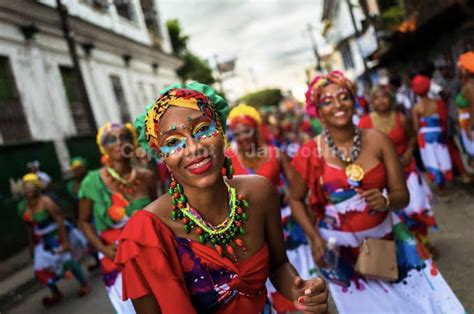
<point>354,172</point>
<point>124,185</point>
<point>224,236</point>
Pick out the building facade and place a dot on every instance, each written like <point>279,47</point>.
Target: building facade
<point>122,58</point>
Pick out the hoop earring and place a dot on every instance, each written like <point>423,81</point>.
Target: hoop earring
<point>229,169</point>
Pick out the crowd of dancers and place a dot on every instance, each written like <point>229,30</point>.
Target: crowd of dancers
<point>204,208</point>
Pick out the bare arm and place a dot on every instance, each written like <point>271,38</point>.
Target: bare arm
<point>300,212</point>
<point>309,296</point>
<point>282,273</point>
<point>55,212</point>
<point>416,119</point>
<point>85,214</point>
<point>411,144</point>
<point>398,196</point>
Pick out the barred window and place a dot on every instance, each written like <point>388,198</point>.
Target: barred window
<point>120,98</point>
<point>13,124</point>
<point>76,101</point>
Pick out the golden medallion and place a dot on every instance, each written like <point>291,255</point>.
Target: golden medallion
<point>354,173</point>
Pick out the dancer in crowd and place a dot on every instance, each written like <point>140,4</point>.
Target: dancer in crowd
<point>51,241</point>
<point>418,215</point>
<point>45,179</point>
<point>356,180</point>
<point>79,171</point>
<point>252,156</point>
<point>429,120</point>
<point>109,196</point>
<point>465,103</point>
<point>208,245</point>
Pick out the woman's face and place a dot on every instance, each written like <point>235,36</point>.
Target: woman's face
<point>30,189</point>
<point>245,135</point>
<point>192,146</point>
<point>336,106</point>
<point>381,101</point>
<point>119,144</point>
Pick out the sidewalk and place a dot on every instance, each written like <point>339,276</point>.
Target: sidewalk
<point>16,278</point>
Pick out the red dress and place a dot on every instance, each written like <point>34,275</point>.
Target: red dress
<point>185,276</point>
<point>270,169</point>
<point>397,135</point>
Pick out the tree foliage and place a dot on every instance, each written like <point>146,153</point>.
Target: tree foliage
<point>193,68</point>
<point>264,97</point>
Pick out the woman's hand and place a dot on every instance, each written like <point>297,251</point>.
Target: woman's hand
<point>310,296</point>
<point>109,251</point>
<point>318,245</point>
<point>375,198</point>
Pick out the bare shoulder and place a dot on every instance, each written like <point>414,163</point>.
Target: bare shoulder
<point>161,207</point>
<point>256,189</point>
<point>375,139</point>
<point>47,201</point>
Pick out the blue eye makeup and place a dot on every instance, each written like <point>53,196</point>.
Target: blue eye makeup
<point>204,130</point>
<point>173,145</point>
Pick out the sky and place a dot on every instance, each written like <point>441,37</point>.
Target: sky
<point>268,38</point>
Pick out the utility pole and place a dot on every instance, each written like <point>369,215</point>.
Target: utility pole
<point>219,78</point>
<point>71,43</point>
<point>357,32</point>
<point>315,47</point>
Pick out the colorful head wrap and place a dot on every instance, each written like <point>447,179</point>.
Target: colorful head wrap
<point>32,178</point>
<point>318,83</point>
<point>245,114</point>
<point>107,128</point>
<point>77,162</point>
<point>194,96</point>
<point>466,61</point>
<point>420,84</point>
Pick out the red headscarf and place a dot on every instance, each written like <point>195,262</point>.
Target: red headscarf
<point>421,85</point>
<point>314,89</point>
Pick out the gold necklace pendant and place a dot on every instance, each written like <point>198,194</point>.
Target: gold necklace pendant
<point>355,173</point>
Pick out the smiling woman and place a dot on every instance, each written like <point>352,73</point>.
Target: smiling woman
<point>355,181</point>
<point>204,247</point>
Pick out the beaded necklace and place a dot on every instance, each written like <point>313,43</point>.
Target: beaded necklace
<point>224,235</point>
<point>124,185</point>
<point>354,172</point>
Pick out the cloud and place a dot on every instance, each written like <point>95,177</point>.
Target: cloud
<point>268,37</point>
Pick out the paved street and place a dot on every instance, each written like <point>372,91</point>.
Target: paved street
<point>455,241</point>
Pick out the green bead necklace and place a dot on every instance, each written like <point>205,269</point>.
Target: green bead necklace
<point>226,234</point>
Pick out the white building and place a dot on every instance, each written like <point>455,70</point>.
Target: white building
<point>341,36</point>
<point>120,46</point>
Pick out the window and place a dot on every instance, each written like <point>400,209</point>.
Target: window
<point>76,101</point>
<point>125,9</point>
<point>347,56</point>
<point>13,124</point>
<point>120,98</point>
<point>151,17</point>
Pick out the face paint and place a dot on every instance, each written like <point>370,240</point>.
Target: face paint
<point>175,144</point>
<point>342,95</point>
<point>112,139</point>
<point>205,130</point>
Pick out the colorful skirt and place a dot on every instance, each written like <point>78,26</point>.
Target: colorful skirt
<point>435,155</point>
<point>419,289</point>
<point>50,264</point>
<point>418,215</point>
<point>468,145</point>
